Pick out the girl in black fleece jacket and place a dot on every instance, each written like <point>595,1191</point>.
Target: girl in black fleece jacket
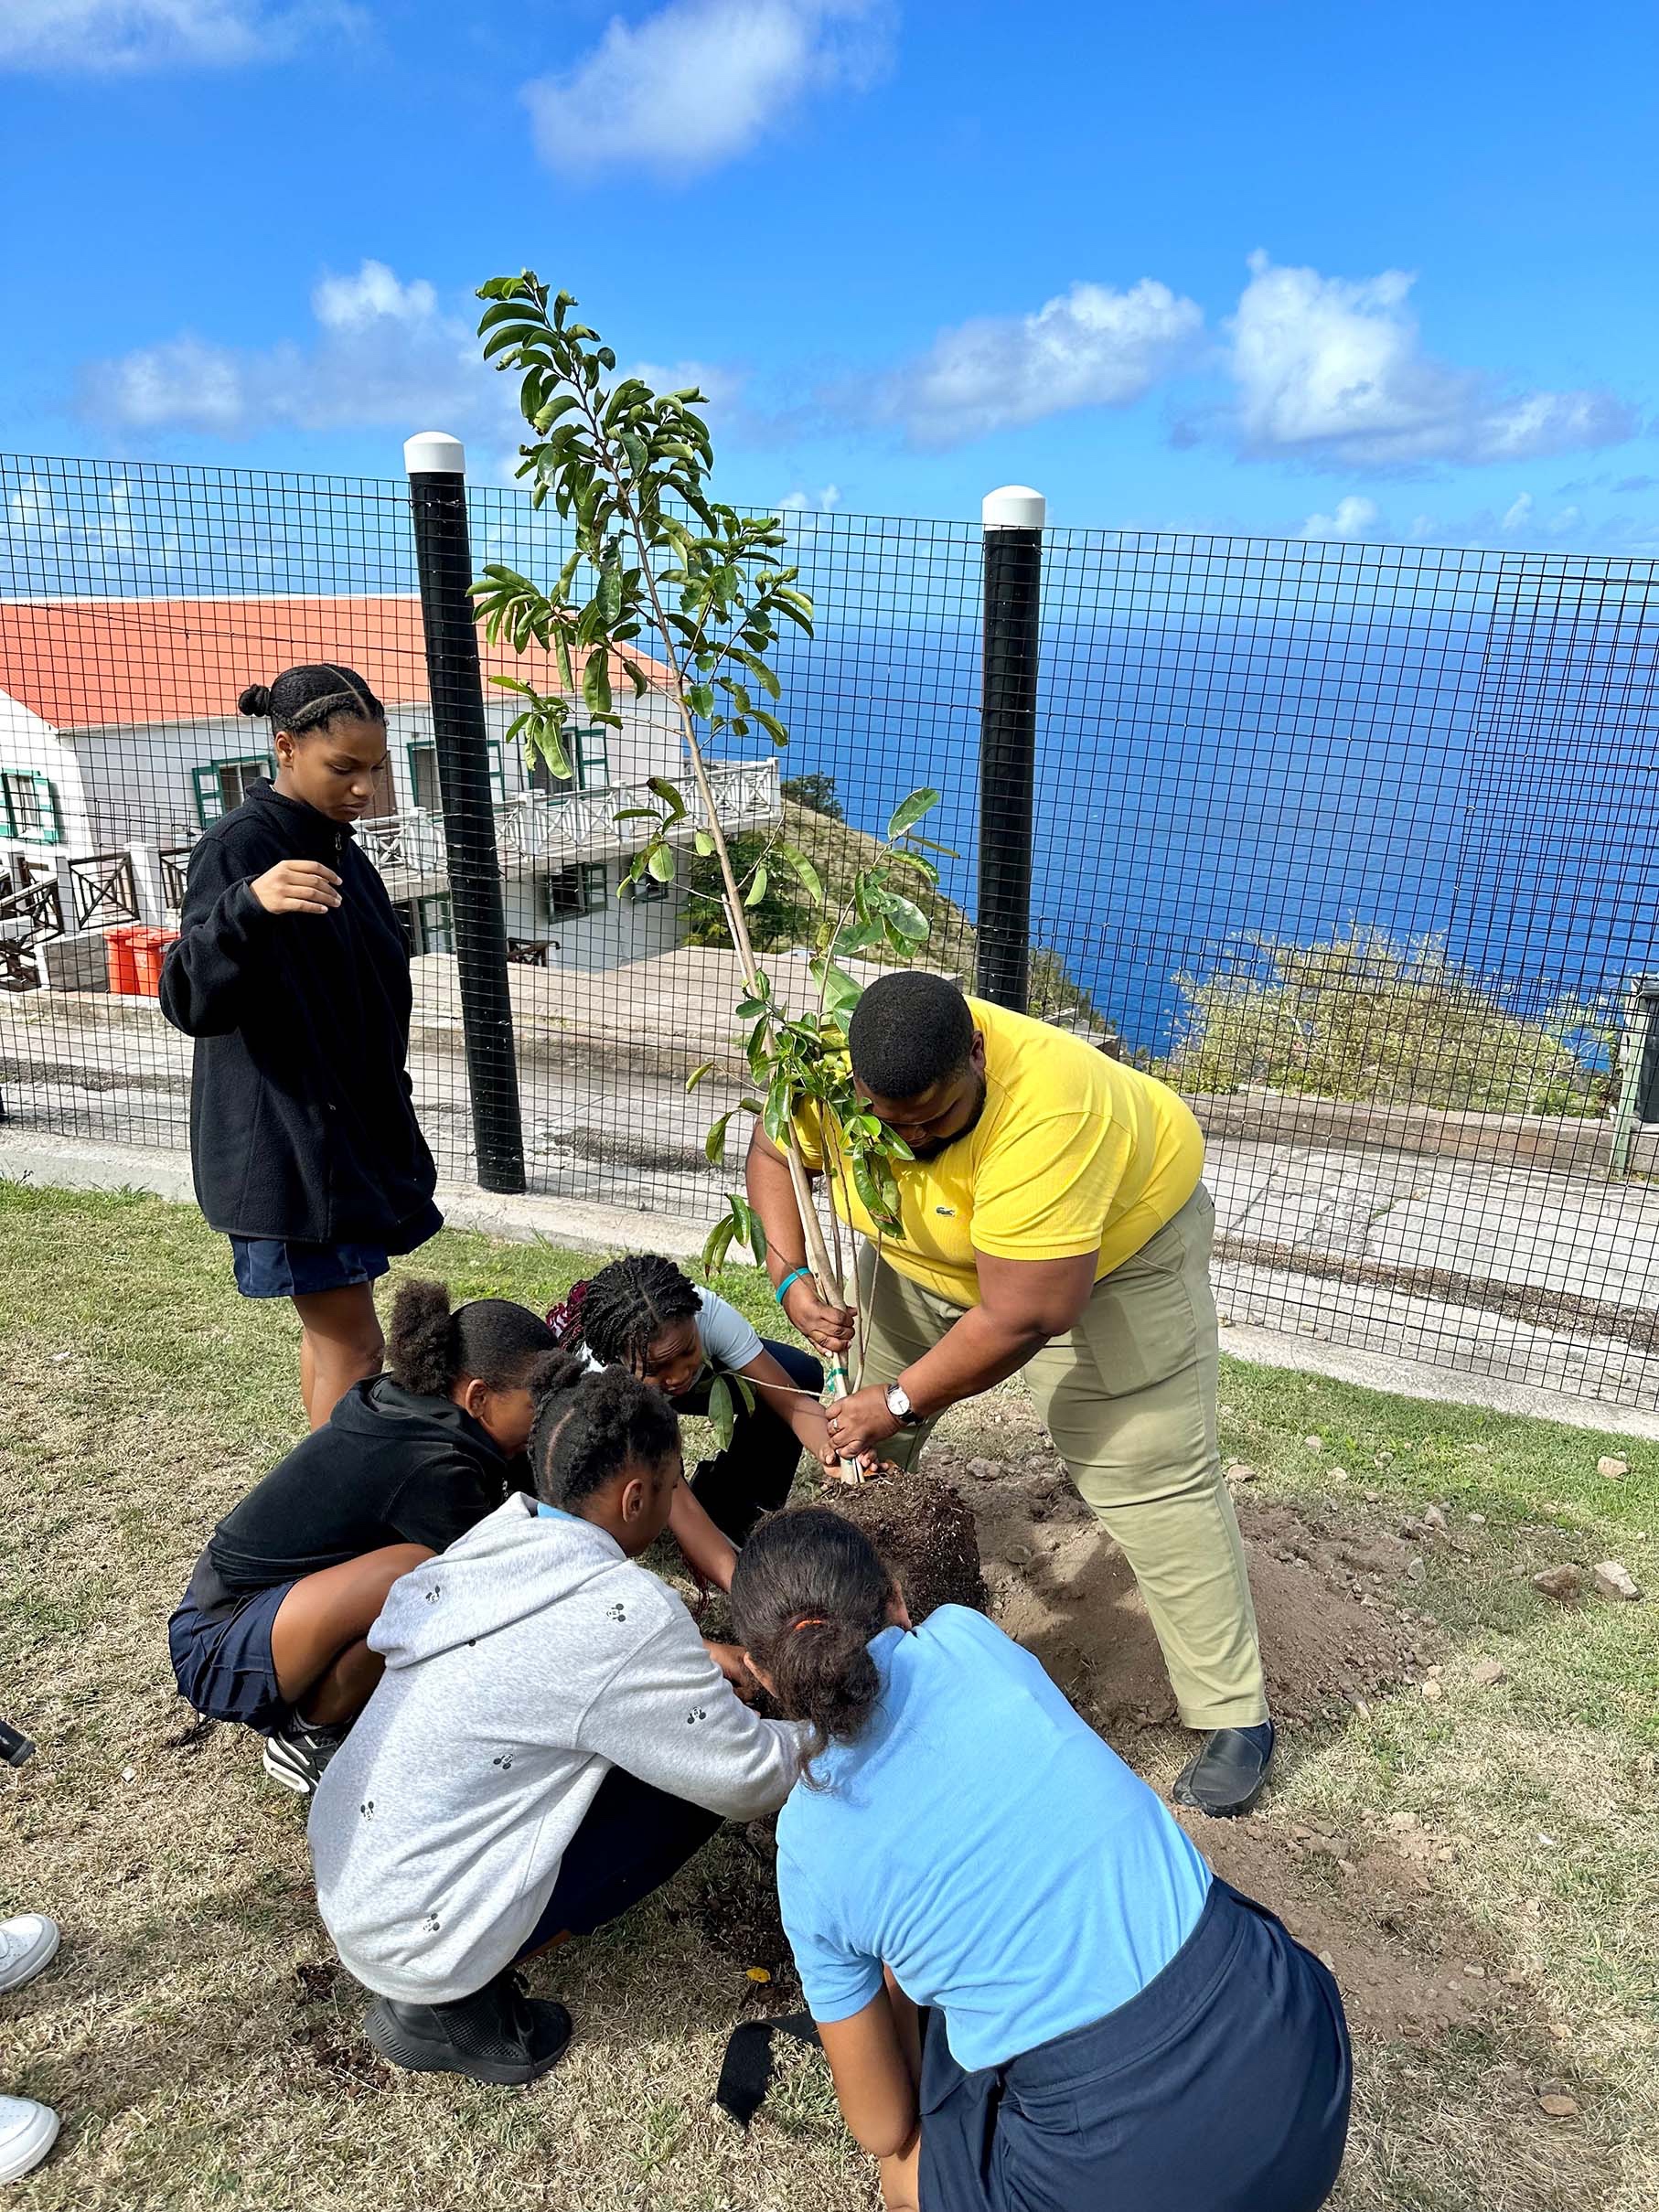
<point>291,975</point>
<point>270,1631</point>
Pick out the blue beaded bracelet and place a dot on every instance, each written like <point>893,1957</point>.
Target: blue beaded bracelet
<point>795,1275</point>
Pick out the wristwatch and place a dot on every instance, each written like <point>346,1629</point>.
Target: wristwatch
<point>900,1407</point>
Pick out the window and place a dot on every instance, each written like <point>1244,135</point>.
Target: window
<point>223,784</point>
<point>592,758</point>
<point>31,808</point>
<point>423,777</point>
<point>436,924</point>
<point>647,891</point>
<point>578,891</point>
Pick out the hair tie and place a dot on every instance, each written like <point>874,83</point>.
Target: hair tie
<point>813,1620</point>
<point>564,1320</point>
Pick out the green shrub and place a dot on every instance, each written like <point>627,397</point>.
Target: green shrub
<point>1363,1016</point>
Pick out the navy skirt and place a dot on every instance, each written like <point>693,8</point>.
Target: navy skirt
<point>1223,2086</point>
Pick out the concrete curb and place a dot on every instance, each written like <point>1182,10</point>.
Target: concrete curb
<point>65,1163</point>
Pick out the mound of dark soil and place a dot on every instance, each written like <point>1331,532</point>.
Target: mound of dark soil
<point>924,1532</point>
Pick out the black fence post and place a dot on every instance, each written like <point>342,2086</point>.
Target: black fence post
<point>437,493</point>
<point>1013,519</point>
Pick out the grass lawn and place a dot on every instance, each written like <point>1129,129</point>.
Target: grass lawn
<point>1481,1860</point>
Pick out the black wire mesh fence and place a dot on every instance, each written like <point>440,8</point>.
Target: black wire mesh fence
<point>1355,844</point>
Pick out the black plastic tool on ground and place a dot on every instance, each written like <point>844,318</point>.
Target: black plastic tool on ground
<point>745,2073</point>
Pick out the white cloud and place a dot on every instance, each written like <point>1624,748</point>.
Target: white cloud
<point>1518,513</point>
<point>102,35</point>
<point>383,354</point>
<point>810,503</point>
<point>1332,368</point>
<point>1090,346</point>
<point>1353,519</point>
<point>701,82</point>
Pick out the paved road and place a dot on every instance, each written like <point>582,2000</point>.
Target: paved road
<point>1548,1279</point>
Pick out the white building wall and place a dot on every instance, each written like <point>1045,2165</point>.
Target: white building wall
<point>29,746</point>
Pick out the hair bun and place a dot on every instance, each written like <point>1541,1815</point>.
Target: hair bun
<point>255,699</point>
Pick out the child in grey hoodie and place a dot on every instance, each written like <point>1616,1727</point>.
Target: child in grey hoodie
<point>551,1740</point>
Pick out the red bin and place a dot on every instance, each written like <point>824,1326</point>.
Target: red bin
<point>121,957</point>
<point>148,953</point>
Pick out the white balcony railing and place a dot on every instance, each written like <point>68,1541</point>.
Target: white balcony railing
<point>558,828</point>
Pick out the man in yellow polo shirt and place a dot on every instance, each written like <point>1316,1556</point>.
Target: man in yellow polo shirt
<point>1055,1222</point>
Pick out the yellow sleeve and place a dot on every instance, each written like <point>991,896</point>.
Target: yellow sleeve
<point>1046,1193</point>
<point>809,1137</point>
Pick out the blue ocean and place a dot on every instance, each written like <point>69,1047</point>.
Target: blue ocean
<point>1490,779</point>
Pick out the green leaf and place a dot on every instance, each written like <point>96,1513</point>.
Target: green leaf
<point>714,1143</point>
<point>697,1074</point>
<point>757,889</point>
<point>774,729</point>
<point>716,1245</point>
<point>700,698</point>
<point>912,810</point>
<point>722,1415</point>
<point>842,993</point>
<point>705,843</point>
<point>812,883</point>
<point>671,796</point>
<point>596,684</point>
<point>661,863</point>
<point>907,919</point>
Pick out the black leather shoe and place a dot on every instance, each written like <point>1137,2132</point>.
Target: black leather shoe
<point>499,2035</point>
<point>1226,1776</point>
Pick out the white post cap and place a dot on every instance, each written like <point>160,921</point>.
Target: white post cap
<point>434,453</point>
<point>1016,507</point>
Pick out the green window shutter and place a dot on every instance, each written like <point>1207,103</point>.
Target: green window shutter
<point>497,772</point>
<point>7,808</point>
<point>210,796</point>
<point>595,886</point>
<point>592,758</point>
<point>51,820</point>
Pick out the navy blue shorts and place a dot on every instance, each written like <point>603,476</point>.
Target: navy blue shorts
<point>277,1267</point>
<point>223,1663</point>
<point>284,1267</point>
<point>1223,2086</point>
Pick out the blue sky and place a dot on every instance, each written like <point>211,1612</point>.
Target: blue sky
<point>1380,271</point>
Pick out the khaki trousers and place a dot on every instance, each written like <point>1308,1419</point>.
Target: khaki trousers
<point>1129,1396</point>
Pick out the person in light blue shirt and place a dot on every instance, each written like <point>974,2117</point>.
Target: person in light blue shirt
<point>1033,1994</point>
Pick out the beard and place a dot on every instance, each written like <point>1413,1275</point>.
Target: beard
<point>936,1145</point>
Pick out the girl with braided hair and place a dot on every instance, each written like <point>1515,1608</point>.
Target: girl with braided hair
<point>645,1314</point>
<point>291,975</point>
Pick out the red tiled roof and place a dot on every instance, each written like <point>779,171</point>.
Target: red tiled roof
<point>89,663</point>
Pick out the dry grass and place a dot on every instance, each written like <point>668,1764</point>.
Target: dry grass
<point>204,2050</point>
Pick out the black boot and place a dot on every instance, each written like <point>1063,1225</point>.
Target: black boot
<point>499,2035</point>
<point>1226,1776</point>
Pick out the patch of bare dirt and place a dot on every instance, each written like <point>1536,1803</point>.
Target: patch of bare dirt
<point>1367,1908</point>
<point>1328,1598</point>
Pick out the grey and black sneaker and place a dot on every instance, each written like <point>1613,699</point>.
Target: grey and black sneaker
<point>298,1756</point>
<point>498,2034</point>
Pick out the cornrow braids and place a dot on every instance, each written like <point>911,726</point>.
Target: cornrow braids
<point>591,1425</point>
<point>629,1303</point>
<point>304,698</point>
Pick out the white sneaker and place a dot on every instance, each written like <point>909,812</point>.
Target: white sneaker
<point>27,1945</point>
<point>27,2131</point>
